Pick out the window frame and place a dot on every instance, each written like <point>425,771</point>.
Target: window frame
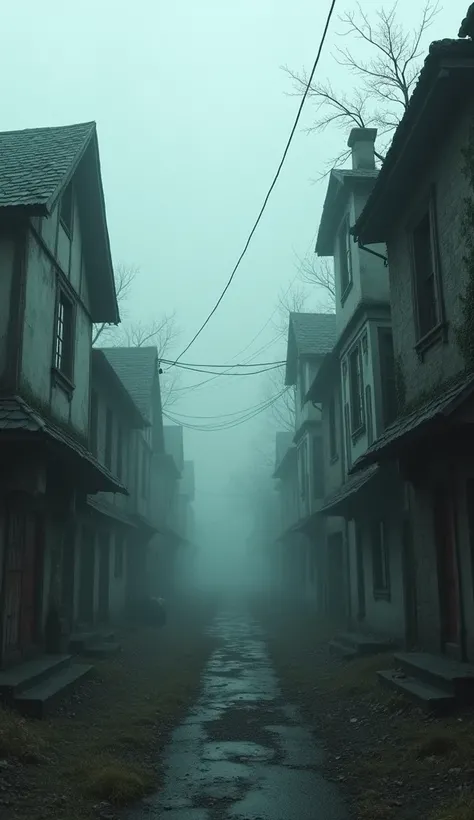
<point>345,252</point>
<point>425,338</point>
<point>387,381</point>
<point>333,448</point>
<point>357,423</point>
<point>378,541</point>
<point>64,375</point>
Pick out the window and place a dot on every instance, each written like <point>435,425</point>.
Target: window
<point>119,452</point>
<point>387,376</point>
<point>356,388</point>
<point>347,428</point>
<point>332,430</point>
<point>66,209</point>
<point>425,273</point>
<point>303,470</point>
<point>345,260</point>
<point>108,439</point>
<point>368,410</point>
<point>94,418</point>
<point>64,347</point>
<point>118,556</point>
<point>318,467</point>
<point>380,561</point>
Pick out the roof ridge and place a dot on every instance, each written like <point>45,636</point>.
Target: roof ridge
<point>90,123</point>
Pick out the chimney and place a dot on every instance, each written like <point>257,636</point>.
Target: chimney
<point>361,142</point>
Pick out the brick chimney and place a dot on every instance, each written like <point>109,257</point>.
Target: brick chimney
<point>361,142</point>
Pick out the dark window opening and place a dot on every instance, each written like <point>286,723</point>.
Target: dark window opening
<point>66,209</point>
<point>387,376</point>
<point>108,439</point>
<point>356,390</point>
<point>119,452</point>
<point>425,280</point>
<point>94,420</point>
<point>345,262</point>
<point>318,467</point>
<point>380,561</point>
<point>64,346</point>
<point>119,556</point>
<point>332,429</point>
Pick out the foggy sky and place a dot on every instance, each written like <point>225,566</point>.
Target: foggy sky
<point>193,112</point>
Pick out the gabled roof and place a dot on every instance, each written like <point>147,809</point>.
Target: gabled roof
<point>137,369</point>
<point>431,418</point>
<point>173,435</point>
<point>341,181</point>
<point>309,334</point>
<point>446,82</point>
<point>100,365</point>
<point>36,164</point>
<point>20,421</point>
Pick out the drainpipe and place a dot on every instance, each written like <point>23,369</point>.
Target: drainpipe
<point>369,250</point>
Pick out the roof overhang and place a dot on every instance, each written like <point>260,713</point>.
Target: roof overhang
<point>339,187</point>
<point>348,499</point>
<point>103,366</point>
<point>446,85</point>
<point>103,507</point>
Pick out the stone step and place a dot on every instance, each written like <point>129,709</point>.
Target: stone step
<point>452,676</point>
<point>101,649</point>
<point>429,697</point>
<point>365,644</point>
<point>37,701</point>
<point>31,673</point>
<point>342,650</point>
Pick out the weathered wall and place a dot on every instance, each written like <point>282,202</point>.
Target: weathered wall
<point>7,250</point>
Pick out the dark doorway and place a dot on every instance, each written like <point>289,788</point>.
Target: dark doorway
<point>336,600</point>
<point>68,565</point>
<point>409,585</point>
<point>104,576</point>
<point>86,582</point>
<point>360,573</point>
<point>449,599</point>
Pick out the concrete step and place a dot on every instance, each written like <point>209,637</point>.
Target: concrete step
<point>342,650</point>
<point>452,676</point>
<point>429,697</point>
<point>37,701</point>
<point>31,673</point>
<point>101,649</point>
<point>365,644</point>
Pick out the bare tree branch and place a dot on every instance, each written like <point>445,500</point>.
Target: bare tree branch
<point>125,276</point>
<point>386,78</point>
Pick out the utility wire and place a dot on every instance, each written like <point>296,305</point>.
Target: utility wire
<point>226,373</point>
<point>270,190</point>
<point>229,424</point>
<point>225,366</point>
<point>244,411</point>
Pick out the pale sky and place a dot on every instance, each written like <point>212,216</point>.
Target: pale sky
<point>193,113</point>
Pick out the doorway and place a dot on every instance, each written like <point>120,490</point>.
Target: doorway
<point>86,577</point>
<point>409,585</point>
<point>68,567</point>
<point>361,611</point>
<point>449,598</point>
<point>104,576</point>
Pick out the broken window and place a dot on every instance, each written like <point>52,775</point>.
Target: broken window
<point>356,388</point>
<point>380,560</point>
<point>425,273</point>
<point>64,346</point>
<point>66,209</point>
<point>345,260</point>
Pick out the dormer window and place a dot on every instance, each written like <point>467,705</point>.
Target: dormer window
<point>345,260</point>
<point>66,209</point>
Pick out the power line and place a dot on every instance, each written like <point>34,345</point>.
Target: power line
<point>227,373</point>
<point>228,424</point>
<point>227,415</point>
<point>225,366</point>
<point>270,190</point>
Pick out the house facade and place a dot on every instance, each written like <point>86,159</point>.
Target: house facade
<point>421,208</point>
<point>288,567</point>
<point>57,279</point>
<point>356,388</point>
<point>310,337</point>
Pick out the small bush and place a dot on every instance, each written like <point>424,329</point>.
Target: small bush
<point>117,783</point>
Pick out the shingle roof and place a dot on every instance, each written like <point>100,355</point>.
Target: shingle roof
<point>315,333</point>
<point>101,364</point>
<point>136,368</point>
<point>16,416</point>
<point>348,490</point>
<point>35,162</point>
<point>430,417</point>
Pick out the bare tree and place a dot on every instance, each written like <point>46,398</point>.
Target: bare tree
<point>125,276</point>
<point>320,272</point>
<point>385,79</point>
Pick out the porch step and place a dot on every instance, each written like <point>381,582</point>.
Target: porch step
<point>449,675</point>
<point>38,700</point>
<point>31,673</point>
<point>429,697</point>
<point>101,649</point>
<point>363,644</point>
<point>343,650</point>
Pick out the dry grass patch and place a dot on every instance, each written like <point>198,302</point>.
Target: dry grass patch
<point>460,809</point>
<point>20,739</point>
<point>114,782</point>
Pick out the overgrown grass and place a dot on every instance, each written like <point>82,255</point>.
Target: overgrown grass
<point>111,748</point>
<point>20,739</point>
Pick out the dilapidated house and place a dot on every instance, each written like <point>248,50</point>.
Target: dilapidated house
<point>56,280</point>
<point>421,208</point>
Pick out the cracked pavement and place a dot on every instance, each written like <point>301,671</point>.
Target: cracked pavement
<point>242,752</point>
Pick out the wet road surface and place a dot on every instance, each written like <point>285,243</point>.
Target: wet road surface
<point>242,753</point>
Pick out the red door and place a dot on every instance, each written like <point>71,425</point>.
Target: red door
<point>445,523</point>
